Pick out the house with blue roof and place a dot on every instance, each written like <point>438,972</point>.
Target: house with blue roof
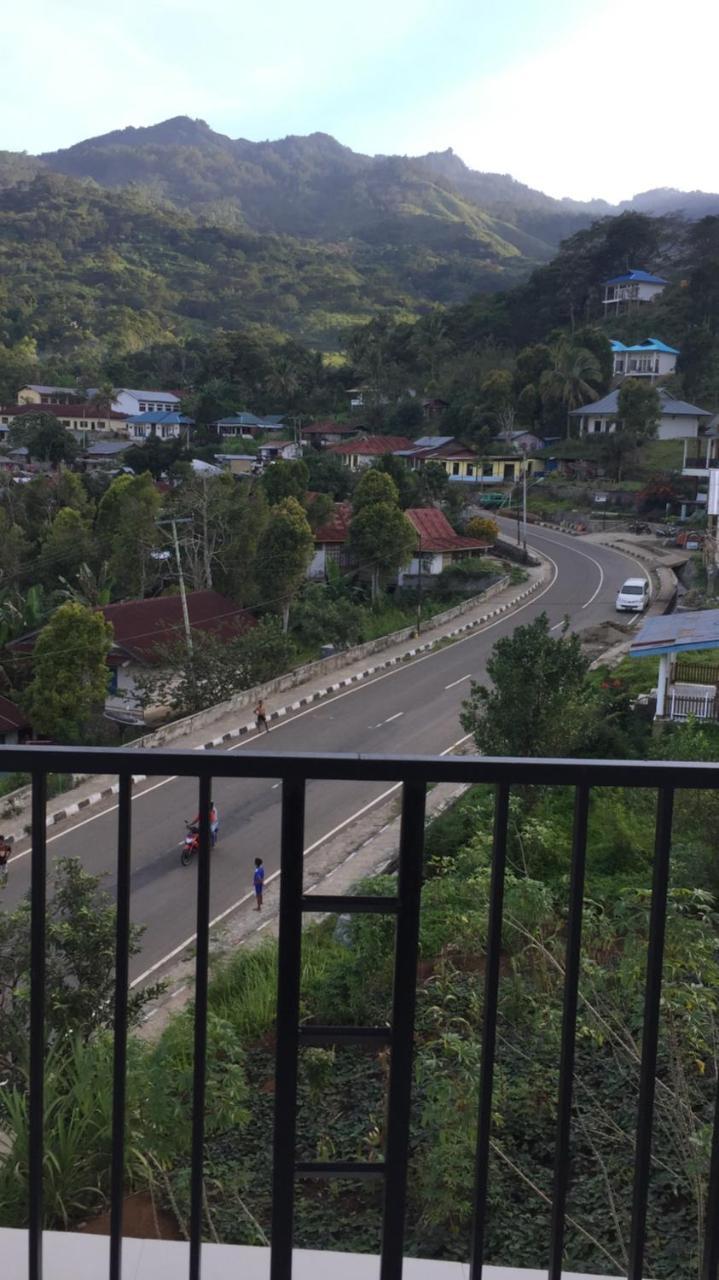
<point>631,289</point>
<point>158,424</point>
<point>652,359</point>
<point>677,419</point>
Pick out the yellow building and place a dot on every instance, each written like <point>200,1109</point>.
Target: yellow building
<point>496,469</point>
<point>35,394</point>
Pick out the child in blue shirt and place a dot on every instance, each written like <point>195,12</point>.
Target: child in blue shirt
<point>259,882</point>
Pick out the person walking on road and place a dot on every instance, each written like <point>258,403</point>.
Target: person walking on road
<point>259,883</point>
<point>4,856</point>
<point>261,716</point>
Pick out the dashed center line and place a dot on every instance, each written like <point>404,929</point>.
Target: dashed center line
<point>396,716</point>
<point>460,681</point>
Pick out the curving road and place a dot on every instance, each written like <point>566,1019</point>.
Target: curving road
<point>411,708</point>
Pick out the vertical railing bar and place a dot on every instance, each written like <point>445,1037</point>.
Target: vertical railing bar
<point>122,935</point>
<point>569,1031</point>
<point>289,960</point>
<point>710,1261</point>
<point>199,1069</point>
<point>489,1027</point>
<point>409,893</point>
<point>38,912</point>
<point>650,1031</point>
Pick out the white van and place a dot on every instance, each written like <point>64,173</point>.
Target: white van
<point>633,596</point>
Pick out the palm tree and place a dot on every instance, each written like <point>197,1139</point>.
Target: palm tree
<point>282,380</point>
<point>573,376</point>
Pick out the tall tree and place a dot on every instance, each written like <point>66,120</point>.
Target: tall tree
<point>382,540</point>
<point>68,545</point>
<point>70,673</point>
<point>375,486</point>
<point>43,437</point>
<point>283,557</point>
<point>536,703</point>
<point>127,532</point>
<point>286,479</point>
<point>573,378</point>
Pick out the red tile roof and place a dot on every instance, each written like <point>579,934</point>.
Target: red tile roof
<point>142,627</point>
<point>11,717</point>
<point>83,410</point>
<point>437,534</point>
<point>337,528</point>
<point>373,445</point>
<point>329,428</point>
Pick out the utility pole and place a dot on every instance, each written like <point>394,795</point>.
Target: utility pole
<point>183,594</point>
<point>524,506</point>
<point>419,583</point>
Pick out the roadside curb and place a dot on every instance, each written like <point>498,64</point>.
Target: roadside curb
<point>87,802</point>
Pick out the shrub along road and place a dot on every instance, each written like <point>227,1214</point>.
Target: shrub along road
<point>412,708</point>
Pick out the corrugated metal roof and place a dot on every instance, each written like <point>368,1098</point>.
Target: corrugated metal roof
<point>374,445</point>
<point>649,344</point>
<point>148,395</point>
<point>675,632</point>
<point>636,277</point>
<point>336,528</point>
<point>437,534</point>
<point>609,405</point>
<point>161,416</point>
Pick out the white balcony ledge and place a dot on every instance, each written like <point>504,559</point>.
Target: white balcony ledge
<point>72,1256</point>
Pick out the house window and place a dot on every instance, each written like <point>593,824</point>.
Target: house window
<point>619,366</point>
<point>143,407</point>
<point>455,468</point>
<point>65,422</point>
<point>597,424</point>
<point>487,469</point>
<point>470,468</point>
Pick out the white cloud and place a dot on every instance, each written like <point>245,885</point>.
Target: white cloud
<point>624,102</point>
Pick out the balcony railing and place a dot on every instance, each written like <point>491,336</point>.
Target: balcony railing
<point>414,774</point>
<point>701,463</point>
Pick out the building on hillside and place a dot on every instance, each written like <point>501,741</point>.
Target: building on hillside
<point>437,544</point>
<point>143,630</point>
<point>273,450</point>
<point>75,417</point>
<point>320,435</point>
<point>14,725</point>
<point>463,465</point>
<point>434,408</point>
<point>238,464</point>
<point>247,424</point>
<point>688,680</point>
<point>159,424</point>
<point>651,359</point>
<point>39,395</point>
<point>331,541</point>
<point>104,453</point>
<point>134,402</point>
<point>629,290</point>
<point>365,450</point>
<point>678,420</point>
<point>527,441</point>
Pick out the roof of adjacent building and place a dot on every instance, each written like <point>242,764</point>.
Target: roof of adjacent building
<point>249,420</point>
<point>609,405</point>
<point>649,344</point>
<point>374,445</point>
<point>637,277</point>
<point>148,395</point>
<point>143,627</point>
<point>109,448</point>
<point>82,410</point>
<point>274,419</point>
<point>336,528</point>
<point>433,442</point>
<point>166,416</point>
<point>329,428</point>
<point>677,633</point>
<point>437,534</point>
<point>11,717</point>
<point>46,391</point>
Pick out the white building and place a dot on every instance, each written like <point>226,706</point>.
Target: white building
<point>624,292</point>
<point>134,402</point>
<point>677,419</point>
<point>651,359</point>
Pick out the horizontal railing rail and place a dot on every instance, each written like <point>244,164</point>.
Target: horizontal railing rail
<point>415,774</point>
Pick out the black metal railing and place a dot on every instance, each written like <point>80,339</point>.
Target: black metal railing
<point>695,673</point>
<point>414,774</point>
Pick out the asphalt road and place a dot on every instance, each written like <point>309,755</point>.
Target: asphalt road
<point>414,707</point>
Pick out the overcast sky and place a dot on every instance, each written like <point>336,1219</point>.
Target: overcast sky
<point>575,98</point>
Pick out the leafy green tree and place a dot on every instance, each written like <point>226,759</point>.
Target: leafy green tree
<point>127,532</point>
<point>432,483</point>
<point>375,486</point>
<point>80,967</point>
<point>407,481</point>
<point>66,548</point>
<point>70,674</point>
<point>590,338</point>
<point>328,474</point>
<point>536,705</point>
<point>285,479</point>
<point>639,408</point>
<point>18,366</point>
<point>43,437</point>
<point>381,540</point>
<point>573,378</point>
<point>15,560</point>
<point>284,552</point>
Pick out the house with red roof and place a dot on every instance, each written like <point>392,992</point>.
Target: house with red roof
<point>83,416</point>
<point>365,450</point>
<point>438,546</point>
<point>331,541</point>
<point>143,630</point>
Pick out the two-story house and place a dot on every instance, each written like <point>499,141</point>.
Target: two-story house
<point>651,359</point>
<point>33,393</point>
<point>629,290</point>
<point>160,424</point>
<point>132,402</point>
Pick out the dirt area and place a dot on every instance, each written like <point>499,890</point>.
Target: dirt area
<point>142,1220</point>
<point>596,640</point>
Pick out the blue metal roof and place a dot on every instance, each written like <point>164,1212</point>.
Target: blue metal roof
<point>677,633</point>
<point>608,406</point>
<point>636,277</point>
<point>649,344</point>
<point>160,416</point>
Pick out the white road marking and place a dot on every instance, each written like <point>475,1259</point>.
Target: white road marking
<point>396,716</point>
<point>596,563</point>
<point>460,681</point>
